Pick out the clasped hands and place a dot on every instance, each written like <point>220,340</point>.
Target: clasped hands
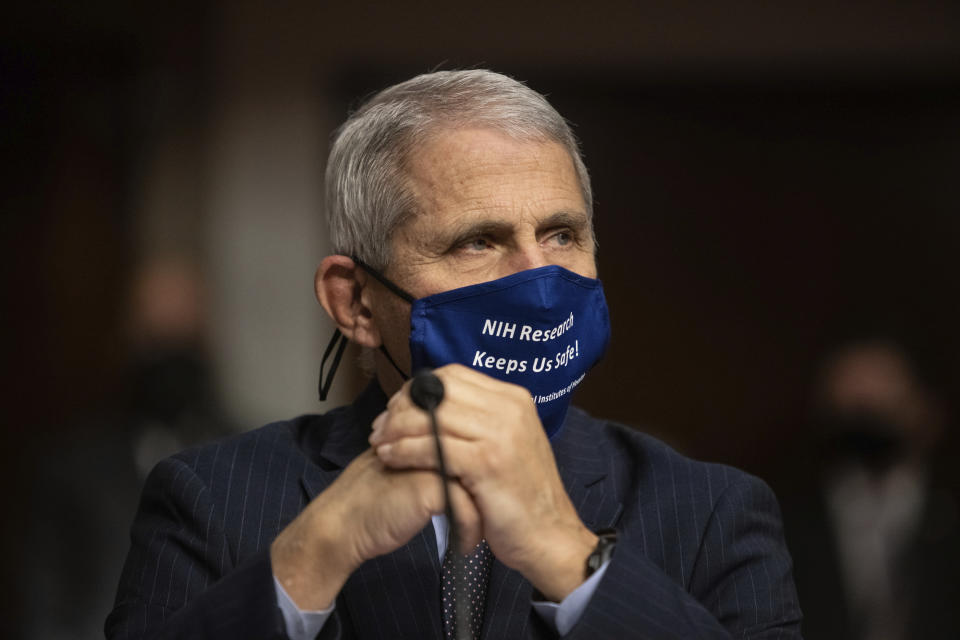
<point>504,483</point>
<point>504,486</point>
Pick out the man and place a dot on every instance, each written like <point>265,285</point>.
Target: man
<point>460,211</point>
<point>874,525</point>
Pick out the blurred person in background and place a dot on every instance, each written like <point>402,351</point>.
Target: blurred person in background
<point>87,485</point>
<point>875,534</point>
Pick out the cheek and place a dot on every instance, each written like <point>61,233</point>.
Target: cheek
<point>392,317</point>
<point>583,263</point>
<point>446,275</point>
<point>399,330</point>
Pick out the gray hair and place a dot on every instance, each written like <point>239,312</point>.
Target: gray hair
<point>367,198</point>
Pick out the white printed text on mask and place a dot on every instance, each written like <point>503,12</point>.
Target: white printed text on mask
<point>502,329</point>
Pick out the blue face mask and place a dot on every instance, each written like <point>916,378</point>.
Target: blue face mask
<point>542,329</point>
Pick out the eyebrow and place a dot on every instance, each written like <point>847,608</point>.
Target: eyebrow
<point>574,220</point>
<point>499,227</point>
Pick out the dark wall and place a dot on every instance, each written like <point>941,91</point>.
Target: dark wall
<point>747,224</point>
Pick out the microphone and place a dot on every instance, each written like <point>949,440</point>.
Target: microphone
<point>426,391</point>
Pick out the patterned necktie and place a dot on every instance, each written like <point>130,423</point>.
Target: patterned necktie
<point>470,588</point>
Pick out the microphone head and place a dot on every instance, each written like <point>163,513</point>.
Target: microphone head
<point>426,390</point>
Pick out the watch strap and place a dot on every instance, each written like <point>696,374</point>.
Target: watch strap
<point>606,542</point>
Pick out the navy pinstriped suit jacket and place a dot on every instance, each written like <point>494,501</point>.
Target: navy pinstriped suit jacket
<point>700,555</point>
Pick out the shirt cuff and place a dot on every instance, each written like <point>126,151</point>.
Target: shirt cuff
<point>561,617</point>
<point>301,625</point>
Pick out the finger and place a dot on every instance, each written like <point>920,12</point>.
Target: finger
<point>469,521</point>
<point>457,390</point>
<point>461,415</point>
<point>401,399</point>
<point>458,373</point>
<point>472,391</point>
<point>420,452</point>
<point>472,402</point>
<point>403,418</point>
<point>402,423</point>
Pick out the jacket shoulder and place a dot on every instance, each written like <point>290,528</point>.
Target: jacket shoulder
<point>637,454</point>
<point>277,442</point>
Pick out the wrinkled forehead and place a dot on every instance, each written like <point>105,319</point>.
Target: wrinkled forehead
<point>476,167</point>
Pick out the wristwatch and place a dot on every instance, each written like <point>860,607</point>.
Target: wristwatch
<point>607,541</point>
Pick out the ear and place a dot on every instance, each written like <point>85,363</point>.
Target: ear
<point>339,283</point>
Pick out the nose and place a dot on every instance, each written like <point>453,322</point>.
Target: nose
<point>528,256</point>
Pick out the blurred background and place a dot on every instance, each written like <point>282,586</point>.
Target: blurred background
<point>776,203</point>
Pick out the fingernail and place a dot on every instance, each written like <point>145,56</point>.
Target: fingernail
<point>383,450</point>
<point>377,425</point>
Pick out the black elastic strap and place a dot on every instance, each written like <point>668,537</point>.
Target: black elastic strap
<point>386,354</point>
<point>382,279</point>
<point>324,386</point>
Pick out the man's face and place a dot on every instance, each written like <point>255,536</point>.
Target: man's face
<point>490,206</point>
<point>877,380</point>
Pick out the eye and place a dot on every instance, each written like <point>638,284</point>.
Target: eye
<point>475,244</point>
<point>562,238</point>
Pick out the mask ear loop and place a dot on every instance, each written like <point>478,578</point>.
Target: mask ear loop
<point>397,291</point>
<point>382,279</point>
<point>386,354</point>
<point>324,387</point>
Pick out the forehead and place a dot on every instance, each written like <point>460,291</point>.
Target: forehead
<point>871,374</point>
<point>483,171</point>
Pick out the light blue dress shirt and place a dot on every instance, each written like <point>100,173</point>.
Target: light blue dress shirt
<point>305,625</point>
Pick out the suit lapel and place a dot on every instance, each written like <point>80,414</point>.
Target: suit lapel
<point>585,474</point>
<point>398,595</point>
<point>586,471</point>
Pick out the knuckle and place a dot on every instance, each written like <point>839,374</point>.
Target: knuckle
<point>520,394</point>
<point>399,451</point>
<point>454,371</point>
<point>394,401</point>
<point>396,426</point>
<point>429,490</point>
<point>490,458</point>
<point>445,370</point>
